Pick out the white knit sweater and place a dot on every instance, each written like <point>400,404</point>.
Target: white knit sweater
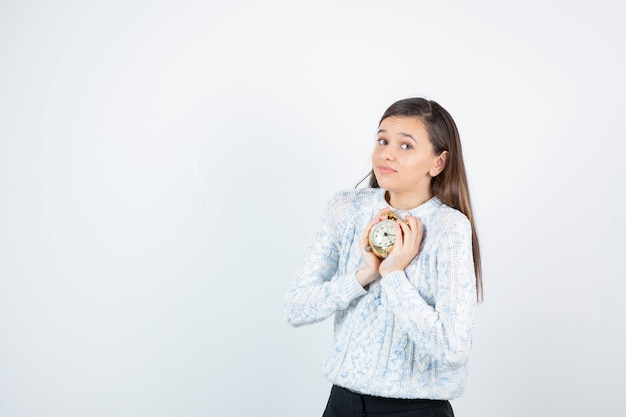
<point>410,334</point>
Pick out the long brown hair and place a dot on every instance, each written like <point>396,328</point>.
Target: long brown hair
<point>450,186</point>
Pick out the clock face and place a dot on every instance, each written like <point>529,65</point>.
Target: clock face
<point>383,234</point>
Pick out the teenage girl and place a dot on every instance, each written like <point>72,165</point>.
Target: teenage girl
<point>403,324</point>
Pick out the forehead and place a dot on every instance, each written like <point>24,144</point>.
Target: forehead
<point>404,124</point>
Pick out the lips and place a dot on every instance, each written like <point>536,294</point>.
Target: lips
<point>385,169</point>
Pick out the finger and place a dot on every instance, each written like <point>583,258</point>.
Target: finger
<point>399,234</point>
<point>411,231</point>
<point>369,226</point>
<point>412,223</point>
<point>379,217</point>
<point>420,229</point>
<point>365,237</point>
<point>415,225</point>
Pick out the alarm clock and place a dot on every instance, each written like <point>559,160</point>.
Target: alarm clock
<point>382,236</point>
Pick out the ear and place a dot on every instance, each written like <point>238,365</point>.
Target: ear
<point>439,164</point>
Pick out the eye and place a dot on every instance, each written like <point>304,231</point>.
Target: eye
<point>406,146</point>
<point>382,141</point>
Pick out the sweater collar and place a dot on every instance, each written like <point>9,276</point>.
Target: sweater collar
<point>419,211</point>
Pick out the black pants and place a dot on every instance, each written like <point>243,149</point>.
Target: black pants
<point>345,403</point>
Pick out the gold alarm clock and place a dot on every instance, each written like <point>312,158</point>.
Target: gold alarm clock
<point>382,236</point>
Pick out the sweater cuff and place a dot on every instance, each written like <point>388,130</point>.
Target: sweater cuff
<point>350,288</point>
<point>397,286</point>
<point>396,282</point>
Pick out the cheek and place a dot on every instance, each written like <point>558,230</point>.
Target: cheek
<point>417,165</point>
<point>374,154</point>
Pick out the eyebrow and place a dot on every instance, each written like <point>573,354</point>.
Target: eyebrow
<point>406,135</point>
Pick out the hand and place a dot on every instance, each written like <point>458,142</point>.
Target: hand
<point>408,240</point>
<point>369,273</point>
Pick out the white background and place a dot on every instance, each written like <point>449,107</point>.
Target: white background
<point>164,164</point>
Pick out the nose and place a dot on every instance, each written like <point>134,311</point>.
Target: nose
<point>388,153</point>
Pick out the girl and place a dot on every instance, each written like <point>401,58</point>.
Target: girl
<point>403,323</point>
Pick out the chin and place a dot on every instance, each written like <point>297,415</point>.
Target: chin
<point>383,183</point>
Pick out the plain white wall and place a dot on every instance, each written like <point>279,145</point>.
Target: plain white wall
<point>164,164</point>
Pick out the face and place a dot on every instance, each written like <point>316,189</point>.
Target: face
<point>404,161</point>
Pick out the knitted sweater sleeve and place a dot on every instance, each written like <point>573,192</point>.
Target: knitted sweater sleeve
<point>318,290</point>
<point>443,331</point>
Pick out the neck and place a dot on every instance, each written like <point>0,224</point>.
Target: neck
<point>408,201</point>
